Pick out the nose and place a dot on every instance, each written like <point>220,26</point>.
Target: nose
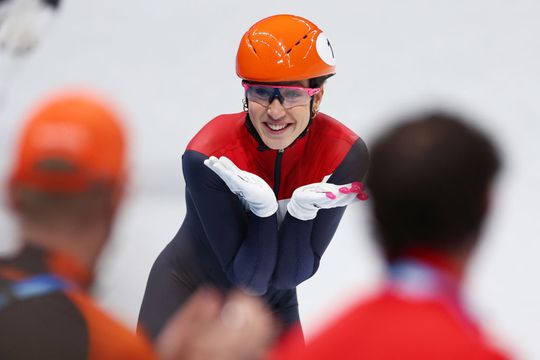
<point>275,109</point>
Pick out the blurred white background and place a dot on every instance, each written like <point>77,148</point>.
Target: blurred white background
<point>169,67</point>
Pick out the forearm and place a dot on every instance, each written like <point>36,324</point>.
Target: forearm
<point>301,246</point>
<point>296,259</point>
<point>244,244</point>
<point>303,242</point>
<point>252,266</point>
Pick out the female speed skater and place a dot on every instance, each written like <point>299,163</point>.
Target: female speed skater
<point>265,188</point>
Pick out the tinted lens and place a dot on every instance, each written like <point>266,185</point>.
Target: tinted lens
<point>294,97</point>
<point>260,94</point>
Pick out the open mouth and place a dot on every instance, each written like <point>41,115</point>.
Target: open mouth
<point>276,128</point>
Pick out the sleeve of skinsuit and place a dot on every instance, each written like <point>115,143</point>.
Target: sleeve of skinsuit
<point>302,243</point>
<point>245,244</point>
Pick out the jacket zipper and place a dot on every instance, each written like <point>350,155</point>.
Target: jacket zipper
<point>277,171</point>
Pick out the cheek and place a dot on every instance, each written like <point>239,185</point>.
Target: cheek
<point>301,118</point>
<point>256,111</point>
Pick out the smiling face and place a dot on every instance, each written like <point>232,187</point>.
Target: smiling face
<point>278,126</point>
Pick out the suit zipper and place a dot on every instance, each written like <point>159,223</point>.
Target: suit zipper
<point>277,171</point>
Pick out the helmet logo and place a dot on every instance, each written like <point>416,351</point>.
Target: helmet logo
<point>325,50</point>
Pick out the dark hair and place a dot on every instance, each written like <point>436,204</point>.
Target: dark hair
<point>319,81</point>
<point>313,82</point>
<point>428,183</point>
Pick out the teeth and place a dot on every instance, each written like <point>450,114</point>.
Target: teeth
<point>277,127</point>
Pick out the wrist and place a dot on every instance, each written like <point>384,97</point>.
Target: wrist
<point>300,212</point>
<point>264,211</point>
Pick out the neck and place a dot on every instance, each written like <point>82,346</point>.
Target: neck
<point>455,263</point>
<point>83,245</point>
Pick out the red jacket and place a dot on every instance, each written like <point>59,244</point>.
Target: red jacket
<point>417,316</point>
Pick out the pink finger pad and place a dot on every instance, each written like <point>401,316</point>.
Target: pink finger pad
<point>362,196</point>
<point>330,196</point>
<point>357,186</point>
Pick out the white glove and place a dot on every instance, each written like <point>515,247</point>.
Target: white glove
<point>22,23</point>
<point>308,199</point>
<point>247,186</point>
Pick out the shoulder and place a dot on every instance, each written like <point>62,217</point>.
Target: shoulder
<point>108,338</point>
<point>221,132</point>
<point>389,327</point>
<point>343,152</point>
<point>329,129</point>
<point>47,326</point>
<point>65,324</point>
<point>334,137</point>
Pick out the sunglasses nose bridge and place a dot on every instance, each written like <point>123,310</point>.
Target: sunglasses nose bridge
<point>276,94</point>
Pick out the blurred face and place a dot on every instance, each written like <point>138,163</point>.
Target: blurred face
<point>281,114</point>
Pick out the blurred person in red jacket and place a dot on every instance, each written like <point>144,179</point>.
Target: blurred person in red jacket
<point>65,188</point>
<point>429,184</point>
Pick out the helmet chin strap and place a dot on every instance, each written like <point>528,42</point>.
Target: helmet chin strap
<point>251,129</point>
<point>311,117</point>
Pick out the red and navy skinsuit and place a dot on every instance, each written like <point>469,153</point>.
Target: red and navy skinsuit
<point>223,244</point>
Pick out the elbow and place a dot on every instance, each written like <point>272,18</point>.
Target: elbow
<point>252,284</point>
<point>252,288</point>
<point>284,279</point>
<point>291,281</point>
<point>289,278</point>
<point>284,283</point>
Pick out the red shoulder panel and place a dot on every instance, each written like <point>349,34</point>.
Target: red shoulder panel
<point>224,131</point>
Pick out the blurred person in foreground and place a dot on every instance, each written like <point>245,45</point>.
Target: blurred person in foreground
<point>430,185</point>
<point>65,188</point>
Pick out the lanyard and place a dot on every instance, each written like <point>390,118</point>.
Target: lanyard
<point>414,280</point>
<point>31,287</point>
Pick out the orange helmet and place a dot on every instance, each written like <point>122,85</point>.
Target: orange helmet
<point>70,142</point>
<point>284,48</point>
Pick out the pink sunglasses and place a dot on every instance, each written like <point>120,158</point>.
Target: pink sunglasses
<point>310,91</point>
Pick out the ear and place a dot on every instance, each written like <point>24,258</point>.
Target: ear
<point>317,99</point>
<point>117,195</point>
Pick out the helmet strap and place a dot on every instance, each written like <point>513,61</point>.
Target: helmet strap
<point>251,129</point>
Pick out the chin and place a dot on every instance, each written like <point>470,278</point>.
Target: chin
<point>273,145</point>
<point>276,144</point>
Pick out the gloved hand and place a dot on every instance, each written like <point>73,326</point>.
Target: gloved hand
<point>308,199</point>
<point>22,23</point>
<point>247,186</point>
